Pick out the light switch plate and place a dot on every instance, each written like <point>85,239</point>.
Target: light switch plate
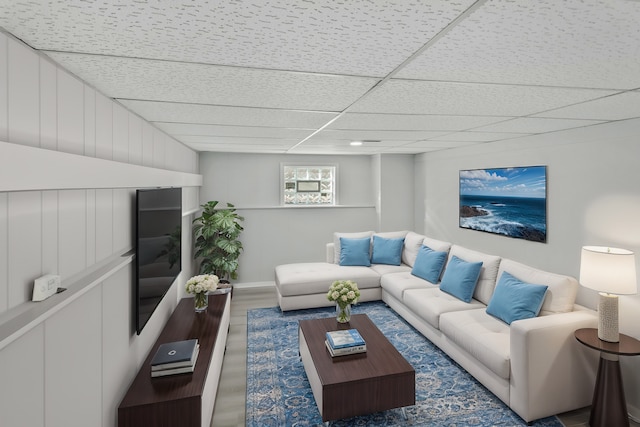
<point>45,286</point>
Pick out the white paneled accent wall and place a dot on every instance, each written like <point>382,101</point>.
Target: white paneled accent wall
<point>72,363</point>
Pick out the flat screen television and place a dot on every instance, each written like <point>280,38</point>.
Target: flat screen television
<point>158,236</point>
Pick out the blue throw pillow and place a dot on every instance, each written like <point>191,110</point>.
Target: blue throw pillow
<point>429,264</point>
<point>514,299</point>
<point>460,278</point>
<point>355,251</point>
<point>387,251</point>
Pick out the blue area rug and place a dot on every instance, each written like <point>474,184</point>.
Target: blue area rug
<point>278,393</point>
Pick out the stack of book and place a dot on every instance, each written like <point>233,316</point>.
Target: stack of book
<point>345,342</point>
<point>177,357</point>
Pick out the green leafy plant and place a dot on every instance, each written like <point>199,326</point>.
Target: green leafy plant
<point>217,246</point>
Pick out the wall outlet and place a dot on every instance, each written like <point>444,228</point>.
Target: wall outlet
<point>45,286</point>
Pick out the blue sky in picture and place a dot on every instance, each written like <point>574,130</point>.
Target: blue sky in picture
<point>525,182</point>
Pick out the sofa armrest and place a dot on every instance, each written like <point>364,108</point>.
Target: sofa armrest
<point>551,372</point>
<point>330,253</point>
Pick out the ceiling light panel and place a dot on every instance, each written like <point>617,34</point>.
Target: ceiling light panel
<point>425,122</point>
<point>536,125</point>
<point>326,141</point>
<point>220,115</point>
<point>422,97</point>
<point>355,37</point>
<point>618,107</point>
<point>242,131</point>
<point>207,84</point>
<point>557,43</point>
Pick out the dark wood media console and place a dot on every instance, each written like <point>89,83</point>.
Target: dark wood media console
<point>184,399</point>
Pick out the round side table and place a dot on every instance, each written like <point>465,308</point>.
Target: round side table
<point>608,407</point>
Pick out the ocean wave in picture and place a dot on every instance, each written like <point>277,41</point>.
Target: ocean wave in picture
<point>510,202</point>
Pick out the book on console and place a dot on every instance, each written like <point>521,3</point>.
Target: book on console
<point>335,352</point>
<point>344,338</point>
<point>175,355</point>
<point>182,364</point>
<point>174,371</point>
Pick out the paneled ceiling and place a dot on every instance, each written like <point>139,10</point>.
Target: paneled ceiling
<point>311,76</point>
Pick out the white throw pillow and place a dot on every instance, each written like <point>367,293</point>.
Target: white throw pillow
<point>412,245</point>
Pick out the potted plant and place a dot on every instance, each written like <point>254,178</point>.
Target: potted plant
<point>216,243</point>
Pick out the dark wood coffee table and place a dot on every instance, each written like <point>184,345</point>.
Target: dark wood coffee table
<point>358,384</point>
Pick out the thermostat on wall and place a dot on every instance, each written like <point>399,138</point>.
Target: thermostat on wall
<point>45,286</point>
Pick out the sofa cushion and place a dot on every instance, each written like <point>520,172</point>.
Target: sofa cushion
<point>488,272</point>
<point>430,303</point>
<point>562,291</point>
<point>384,269</point>
<point>336,242</point>
<point>386,251</point>
<point>397,283</point>
<point>460,278</point>
<point>429,264</point>
<point>308,278</point>
<point>412,244</point>
<point>514,299</point>
<point>484,337</point>
<point>355,252</point>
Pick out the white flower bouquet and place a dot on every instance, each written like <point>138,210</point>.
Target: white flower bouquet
<point>199,286</point>
<point>343,292</point>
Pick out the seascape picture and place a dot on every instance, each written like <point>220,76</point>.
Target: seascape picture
<point>507,201</point>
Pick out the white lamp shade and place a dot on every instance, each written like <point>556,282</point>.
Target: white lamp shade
<point>609,270</point>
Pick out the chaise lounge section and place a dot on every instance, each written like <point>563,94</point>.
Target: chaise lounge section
<point>512,330</point>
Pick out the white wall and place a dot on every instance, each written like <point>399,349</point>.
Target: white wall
<point>394,183</point>
<point>73,365</point>
<point>276,235</point>
<point>593,199</point>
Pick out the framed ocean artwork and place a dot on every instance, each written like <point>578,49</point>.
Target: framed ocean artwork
<point>507,201</point>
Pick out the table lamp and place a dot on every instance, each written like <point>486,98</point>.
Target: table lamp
<point>612,272</point>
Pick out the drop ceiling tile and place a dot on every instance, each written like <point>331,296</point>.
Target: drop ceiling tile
<point>182,129</point>
<point>359,135</point>
<point>555,43</point>
<point>434,145</point>
<point>618,107</point>
<point>478,136</point>
<point>356,37</point>
<point>405,122</point>
<point>421,97</point>
<point>244,148</point>
<point>235,140</point>
<point>536,125</point>
<point>221,115</point>
<point>133,78</point>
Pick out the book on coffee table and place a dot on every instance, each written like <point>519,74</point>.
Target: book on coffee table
<point>344,338</point>
<point>335,352</point>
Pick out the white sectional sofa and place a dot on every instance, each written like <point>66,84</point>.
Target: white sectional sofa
<point>534,365</point>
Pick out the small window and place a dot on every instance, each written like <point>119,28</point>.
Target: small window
<point>308,185</point>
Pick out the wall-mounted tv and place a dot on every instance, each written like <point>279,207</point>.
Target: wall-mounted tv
<point>507,201</point>
<point>158,236</point>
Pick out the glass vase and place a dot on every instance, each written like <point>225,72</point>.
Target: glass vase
<point>201,301</point>
<point>343,313</point>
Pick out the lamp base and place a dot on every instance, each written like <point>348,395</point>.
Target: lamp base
<point>608,318</point>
